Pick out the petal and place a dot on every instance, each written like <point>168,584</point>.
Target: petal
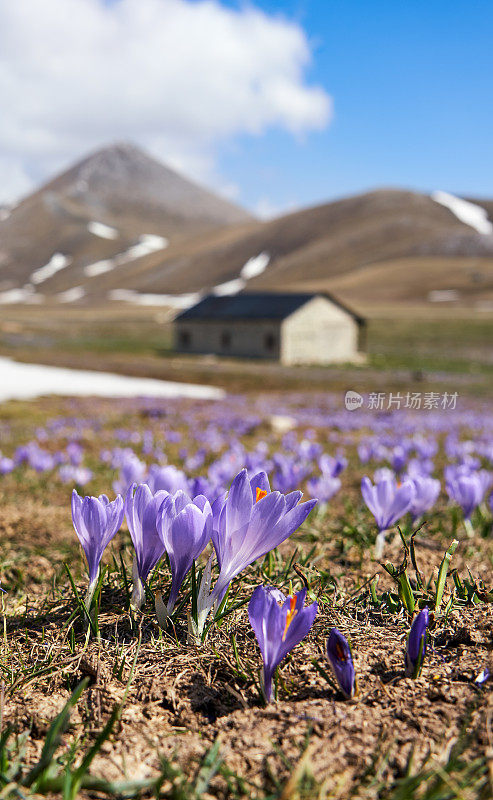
<point>76,503</point>
<point>267,620</point>
<point>255,539</point>
<point>202,502</point>
<point>401,503</point>
<point>181,500</point>
<point>368,492</point>
<point>239,502</point>
<point>298,629</point>
<point>115,513</point>
<point>292,499</point>
<point>256,612</point>
<point>290,522</point>
<point>259,481</point>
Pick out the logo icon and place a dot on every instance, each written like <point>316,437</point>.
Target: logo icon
<point>353,400</point>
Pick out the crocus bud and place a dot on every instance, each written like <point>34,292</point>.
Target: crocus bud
<point>278,628</point>
<point>482,677</point>
<point>96,521</point>
<point>341,661</point>
<point>416,644</point>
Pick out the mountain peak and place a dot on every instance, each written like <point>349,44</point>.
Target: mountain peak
<point>118,152</point>
<point>123,179</point>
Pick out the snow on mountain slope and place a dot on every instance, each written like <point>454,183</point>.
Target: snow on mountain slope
<point>469,213</point>
<point>26,294</point>
<point>148,243</point>
<point>255,266</point>
<point>251,269</point>
<point>229,287</point>
<point>71,295</point>
<point>57,262</point>
<point>178,301</point>
<point>102,230</point>
<point>99,267</point>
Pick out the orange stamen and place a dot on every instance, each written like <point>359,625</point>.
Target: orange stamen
<point>260,493</point>
<point>340,652</point>
<point>290,615</point>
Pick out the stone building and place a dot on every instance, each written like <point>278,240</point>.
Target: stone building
<point>290,328</point>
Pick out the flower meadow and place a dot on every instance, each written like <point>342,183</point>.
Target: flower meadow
<point>262,596</point>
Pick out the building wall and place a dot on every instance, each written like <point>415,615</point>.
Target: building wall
<point>243,339</point>
<point>319,333</point>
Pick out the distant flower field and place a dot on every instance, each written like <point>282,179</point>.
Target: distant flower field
<point>261,596</point>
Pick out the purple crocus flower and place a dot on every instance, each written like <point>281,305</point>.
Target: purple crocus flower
<point>332,465</point>
<point>74,453</point>
<point>384,474</point>
<point>252,521</point>
<point>185,527</point>
<point>168,478</point>
<point>418,467</point>
<point>398,458</point>
<point>388,502</point>
<point>486,481</point>
<point>96,521</point>
<point>278,628</point>
<point>416,644</point>
<point>323,488</point>
<point>6,465</point>
<point>141,511</point>
<point>341,661</point>
<point>426,491</point>
<point>132,470</point>
<point>71,474</point>
<point>466,490</point>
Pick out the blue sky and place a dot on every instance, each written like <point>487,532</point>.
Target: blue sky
<point>411,84</point>
<point>275,104</point>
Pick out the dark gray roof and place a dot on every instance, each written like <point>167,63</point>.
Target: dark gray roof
<point>255,305</point>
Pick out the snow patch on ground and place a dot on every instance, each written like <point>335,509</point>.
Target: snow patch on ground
<point>179,301</point>
<point>71,295</point>
<point>229,287</point>
<point>57,262</point>
<point>26,381</point>
<point>148,243</point>
<point>443,295</point>
<point>99,267</point>
<point>102,230</point>
<point>4,214</point>
<point>471,214</point>
<point>255,266</point>
<point>153,242</point>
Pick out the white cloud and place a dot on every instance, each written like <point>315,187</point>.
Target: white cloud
<point>179,77</point>
<point>14,180</point>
